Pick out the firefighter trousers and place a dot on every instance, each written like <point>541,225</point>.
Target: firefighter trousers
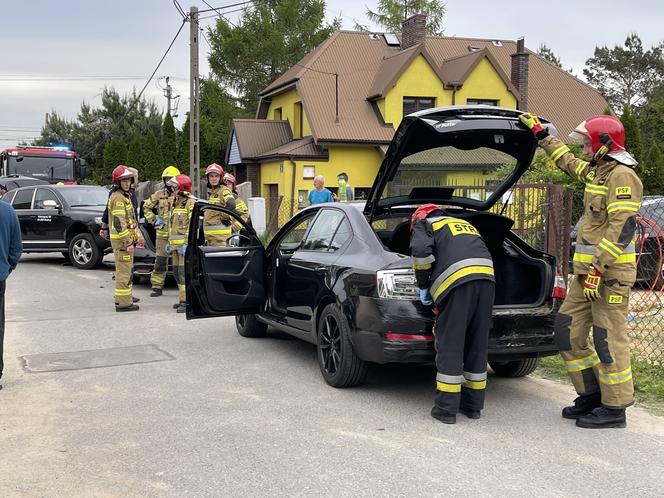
<point>158,276</point>
<point>178,273</point>
<point>124,267</point>
<point>462,341</point>
<point>606,366</point>
<point>218,240</point>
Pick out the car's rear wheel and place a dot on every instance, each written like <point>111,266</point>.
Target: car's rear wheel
<point>517,368</point>
<point>338,363</point>
<point>83,252</point>
<point>249,326</point>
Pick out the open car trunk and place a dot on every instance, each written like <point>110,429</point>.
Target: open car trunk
<point>524,276</point>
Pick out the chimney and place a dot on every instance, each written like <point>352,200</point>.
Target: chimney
<point>413,31</point>
<point>520,73</point>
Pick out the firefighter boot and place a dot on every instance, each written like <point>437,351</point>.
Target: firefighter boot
<point>182,308</point>
<point>603,418</point>
<point>583,405</point>
<point>176,305</point>
<point>474,414</point>
<point>131,307</point>
<point>443,416</point>
<point>156,292</point>
<point>135,300</point>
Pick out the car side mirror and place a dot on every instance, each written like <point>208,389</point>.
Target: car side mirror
<point>50,204</point>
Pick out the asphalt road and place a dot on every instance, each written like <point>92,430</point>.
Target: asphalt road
<point>228,416</point>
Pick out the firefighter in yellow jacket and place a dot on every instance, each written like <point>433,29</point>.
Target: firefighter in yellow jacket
<point>156,211</point>
<point>604,270</point>
<point>181,209</point>
<point>241,207</point>
<point>217,225</point>
<point>124,236</point>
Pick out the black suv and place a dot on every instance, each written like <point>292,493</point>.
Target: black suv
<point>62,219</point>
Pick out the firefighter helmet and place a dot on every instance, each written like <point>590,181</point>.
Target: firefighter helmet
<point>121,172</point>
<point>214,168</point>
<point>170,172</point>
<point>230,179</point>
<point>422,212</point>
<point>600,127</point>
<point>184,183</point>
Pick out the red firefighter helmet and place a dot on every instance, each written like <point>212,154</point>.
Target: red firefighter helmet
<point>595,127</point>
<point>228,178</point>
<point>214,168</point>
<point>422,212</point>
<point>184,183</point>
<point>121,172</point>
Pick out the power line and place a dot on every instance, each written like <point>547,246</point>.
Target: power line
<point>73,78</point>
<point>216,9</point>
<point>314,70</point>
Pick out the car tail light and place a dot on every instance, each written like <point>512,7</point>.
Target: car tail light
<point>397,284</point>
<point>393,336</point>
<point>559,286</point>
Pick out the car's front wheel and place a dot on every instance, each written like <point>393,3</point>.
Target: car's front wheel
<point>249,326</point>
<point>84,253</point>
<point>338,363</point>
<point>516,368</point>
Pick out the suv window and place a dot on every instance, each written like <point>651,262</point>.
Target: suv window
<point>44,195</point>
<point>341,237</point>
<point>323,230</point>
<point>8,197</point>
<point>23,198</point>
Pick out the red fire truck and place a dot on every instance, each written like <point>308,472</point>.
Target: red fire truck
<point>53,164</point>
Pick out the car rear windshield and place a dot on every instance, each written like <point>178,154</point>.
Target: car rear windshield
<point>84,196</point>
<point>447,172</point>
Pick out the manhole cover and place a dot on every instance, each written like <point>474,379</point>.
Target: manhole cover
<point>94,358</point>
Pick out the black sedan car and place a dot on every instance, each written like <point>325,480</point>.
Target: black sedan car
<point>339,275</point>
<point>62,219</point>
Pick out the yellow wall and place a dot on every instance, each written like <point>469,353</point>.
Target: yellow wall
<point>485,83</point>
<point>287,102</point>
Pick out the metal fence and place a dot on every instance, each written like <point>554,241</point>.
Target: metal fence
<point>544,216</point>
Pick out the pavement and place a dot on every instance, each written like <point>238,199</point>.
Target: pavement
<point>199,411</point>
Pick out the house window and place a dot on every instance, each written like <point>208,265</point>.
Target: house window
<point>414,104</point>
<point>308,172</point>
<point>482,102</point>
<point>297,120</point>
<point>277,114</point>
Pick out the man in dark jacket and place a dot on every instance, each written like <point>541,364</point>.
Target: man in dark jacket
<point>454,270</point>
<point>11,248</point>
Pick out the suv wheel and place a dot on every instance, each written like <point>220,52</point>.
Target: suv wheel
<point>249,326</point>
<point>338,363</point>
<point>517,368</point>
<point>83,252</point>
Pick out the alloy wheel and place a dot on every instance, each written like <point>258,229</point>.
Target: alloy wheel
<point>330,345</point>
<point>82,251</point>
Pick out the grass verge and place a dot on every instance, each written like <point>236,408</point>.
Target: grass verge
<point>648,380</point>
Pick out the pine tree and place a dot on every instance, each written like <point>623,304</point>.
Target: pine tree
<point>115,152</point>
<point>652,174</point>
<point>168,141</point>
<point>135,154</point>
<point>632,133</point>
<point>153,163</point>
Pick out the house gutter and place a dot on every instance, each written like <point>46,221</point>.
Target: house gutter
<point>455,88</point>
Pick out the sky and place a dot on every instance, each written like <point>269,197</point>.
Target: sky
<point>57,54</point>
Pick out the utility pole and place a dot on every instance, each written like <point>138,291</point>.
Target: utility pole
<point>168,92</point>
<point>194,102</point>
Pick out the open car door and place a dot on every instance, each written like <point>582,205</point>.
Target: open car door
<point>223,281</point>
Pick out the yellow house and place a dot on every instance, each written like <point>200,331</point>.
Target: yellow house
<point>337,109</point>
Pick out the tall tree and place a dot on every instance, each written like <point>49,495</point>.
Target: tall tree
<point>633,141</point>
<point>390,14</point>
<point>270,37</point>
<point>625,75</point>
<point>547,54</point>
<point>135,154</point>
<point>56,130</point>
<point>153,163</point>
<point>652,175</point>
<point>169,146</point>
<point>115,152</point>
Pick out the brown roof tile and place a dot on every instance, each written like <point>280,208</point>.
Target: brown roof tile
<point>257,136</point>
<point>305,148</point>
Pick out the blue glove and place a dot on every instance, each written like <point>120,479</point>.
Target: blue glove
<point>168,249</point>
<point>159,222</point>
<point>183,249</point>
<point>425,298</point>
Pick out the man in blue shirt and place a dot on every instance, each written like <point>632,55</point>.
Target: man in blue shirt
<point>10,252</point>
<point>319,193</point>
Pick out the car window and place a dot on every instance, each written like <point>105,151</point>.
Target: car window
<point>295,235</point>
<point>44,195</point>
<point>8,197</point>
<point>324,227</point>
<point>23,198</point>
<point>341,237</point>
